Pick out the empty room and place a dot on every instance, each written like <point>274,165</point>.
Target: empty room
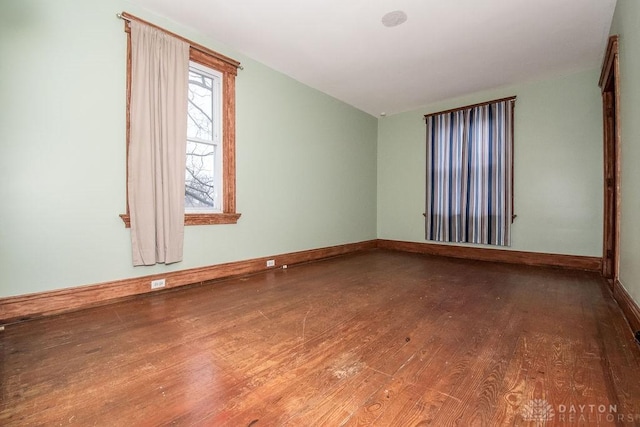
<point>319,212</point>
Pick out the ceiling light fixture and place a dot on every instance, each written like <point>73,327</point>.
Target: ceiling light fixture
<point>393,19</point>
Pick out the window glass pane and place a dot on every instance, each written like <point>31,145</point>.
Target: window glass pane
<point>200,191</point>
<point>203,180</point>
<point>200,106</point>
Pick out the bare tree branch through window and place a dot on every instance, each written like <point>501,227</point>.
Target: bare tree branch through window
<point>202,142</point>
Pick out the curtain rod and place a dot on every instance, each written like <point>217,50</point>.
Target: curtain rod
<point>495,101</point>
<point>128,18</point>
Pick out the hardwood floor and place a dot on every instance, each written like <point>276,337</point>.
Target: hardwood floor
<point>375,338</point>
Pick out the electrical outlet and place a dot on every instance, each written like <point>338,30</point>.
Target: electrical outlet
<point>155,284</point>
<point>271,263</point>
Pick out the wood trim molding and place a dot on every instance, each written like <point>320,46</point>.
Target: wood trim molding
<point>225,59</point>
<point>629,307</point>
<point>608,61</point>
<point>609,84</point>
<point>25,307</point>
<point>496,255</point>
<point>197,219</point>
<point>466,107</point>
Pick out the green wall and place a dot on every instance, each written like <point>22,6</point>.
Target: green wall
<point>626,24</point>
<point>557,162</point>
<point>306,163</point>
<point>311,171</point>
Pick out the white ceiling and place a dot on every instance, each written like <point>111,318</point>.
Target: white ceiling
<point>446,48</point>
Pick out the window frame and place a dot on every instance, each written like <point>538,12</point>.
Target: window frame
<point>216,140</point>
<point>229,69</point>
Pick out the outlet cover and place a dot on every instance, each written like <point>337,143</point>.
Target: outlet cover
<point>155,284</point>
<point>271,263</point>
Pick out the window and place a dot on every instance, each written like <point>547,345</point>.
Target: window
<point>210,194</point>
<point>203,176</point>
<point>469,197</point>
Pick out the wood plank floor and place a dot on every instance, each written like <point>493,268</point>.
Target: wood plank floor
<point>376,338</point>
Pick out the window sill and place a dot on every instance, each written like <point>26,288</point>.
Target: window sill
<point>198,219</point>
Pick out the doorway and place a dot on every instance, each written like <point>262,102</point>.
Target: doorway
<point>610,109</point>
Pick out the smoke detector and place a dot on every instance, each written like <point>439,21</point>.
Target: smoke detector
<point>393,19</point>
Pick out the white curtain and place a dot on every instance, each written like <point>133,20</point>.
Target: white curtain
<point>157,144</point>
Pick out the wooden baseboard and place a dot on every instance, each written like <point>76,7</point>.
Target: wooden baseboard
<point>629,307</point>
<point>496,255</point>
<point>24,307</point>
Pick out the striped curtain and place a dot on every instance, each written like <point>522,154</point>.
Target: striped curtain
<point>469,174</point>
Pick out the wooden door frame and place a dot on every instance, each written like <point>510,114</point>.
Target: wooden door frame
<point>610,87</point>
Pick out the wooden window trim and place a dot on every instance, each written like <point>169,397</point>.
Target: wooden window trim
<point>468,107</point>
<point>229,69</point>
